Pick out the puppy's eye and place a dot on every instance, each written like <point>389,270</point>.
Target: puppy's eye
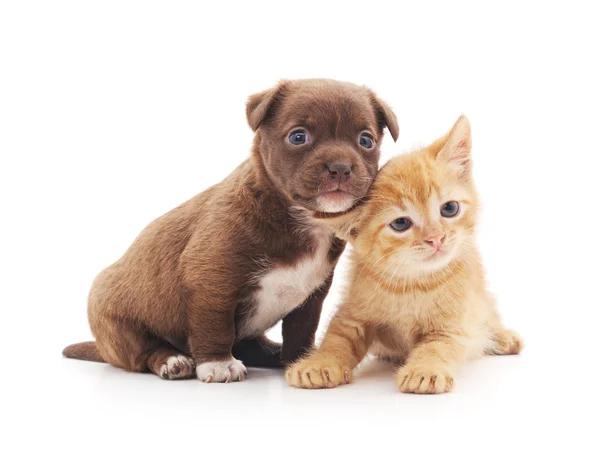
<point>401,224</point>
<point>298,137</point>
<point>365,141</point>
<point>450,209</point>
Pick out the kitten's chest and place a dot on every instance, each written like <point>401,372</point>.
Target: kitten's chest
<point>401,323</point>
<point>282,288</point>
<point>411,315</point>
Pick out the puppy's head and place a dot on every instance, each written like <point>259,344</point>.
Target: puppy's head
<point>318,140</point>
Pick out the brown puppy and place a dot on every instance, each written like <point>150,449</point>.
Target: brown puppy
<point>201,284</point>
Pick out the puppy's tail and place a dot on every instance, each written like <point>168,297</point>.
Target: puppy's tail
<point>83,351</point>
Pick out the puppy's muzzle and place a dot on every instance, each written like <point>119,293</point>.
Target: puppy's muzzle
<point>339,172</point>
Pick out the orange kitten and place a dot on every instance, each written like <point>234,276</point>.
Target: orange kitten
<point>416,291</point>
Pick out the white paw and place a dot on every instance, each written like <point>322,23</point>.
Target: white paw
<point>224,371</point>
<point>177,367</point>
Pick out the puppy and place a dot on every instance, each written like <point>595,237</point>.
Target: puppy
<point>198,288</point>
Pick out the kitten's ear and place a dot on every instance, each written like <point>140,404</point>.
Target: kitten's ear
<point>260,105</point>
<point>345,225</point>
<point>457,148</point>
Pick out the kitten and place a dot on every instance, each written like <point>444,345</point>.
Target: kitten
<point>416,290</point>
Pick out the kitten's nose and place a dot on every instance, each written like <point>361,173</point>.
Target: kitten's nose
<point>339,171</point>
<point>436,241</point>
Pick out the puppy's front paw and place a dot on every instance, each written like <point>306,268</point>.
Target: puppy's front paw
<point>424,379</point>
<point>314,373</point>
<point>224,371</point>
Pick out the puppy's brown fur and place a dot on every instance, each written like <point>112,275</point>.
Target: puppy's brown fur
<point>202,283</point>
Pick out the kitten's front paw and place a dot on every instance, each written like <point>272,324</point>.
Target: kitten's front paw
<point>424,379</point>
<point>314,373</point>
<point>224,371</point>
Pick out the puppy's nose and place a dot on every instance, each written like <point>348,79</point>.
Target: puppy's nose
<point>340,172</point>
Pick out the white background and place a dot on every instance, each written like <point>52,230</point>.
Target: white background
<point>114,112</point>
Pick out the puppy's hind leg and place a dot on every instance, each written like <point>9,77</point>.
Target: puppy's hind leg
<point>132,348</point>
<point>168,363</point>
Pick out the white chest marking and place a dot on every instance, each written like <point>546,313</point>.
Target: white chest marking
<point>282,289</point>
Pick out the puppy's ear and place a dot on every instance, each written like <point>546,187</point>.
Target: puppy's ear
<point>385,116</point>
<point>260,104</point>
<point>345,225</point>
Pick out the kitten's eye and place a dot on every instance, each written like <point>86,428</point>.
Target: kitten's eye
<point>450,209</point>
<point>401,224</point>
<point>365,141</point>
<point>298,137</point>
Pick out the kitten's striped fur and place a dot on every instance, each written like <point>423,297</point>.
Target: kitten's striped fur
<point>429,311</point>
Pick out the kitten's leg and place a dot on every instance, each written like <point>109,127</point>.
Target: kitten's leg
<point>345,345</point>
<point>431,364</point>
<point>505,342</point>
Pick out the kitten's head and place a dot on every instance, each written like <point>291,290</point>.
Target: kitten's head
<point>421,210</point>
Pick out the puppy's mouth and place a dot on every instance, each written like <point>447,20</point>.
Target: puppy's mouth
<point>331,201</point>
<point>336,200</point>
